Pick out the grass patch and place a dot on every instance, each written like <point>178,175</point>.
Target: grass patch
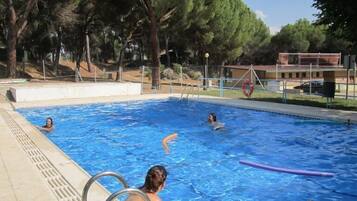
<point>306,100</point>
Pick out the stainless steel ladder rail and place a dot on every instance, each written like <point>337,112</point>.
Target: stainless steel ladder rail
<point>129,191</point>
<point>193,89</point>
<point>189,91</point>
<point>99,175</point>
<point>185,89</point>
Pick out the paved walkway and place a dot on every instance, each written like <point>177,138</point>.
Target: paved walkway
<point>19,178</point>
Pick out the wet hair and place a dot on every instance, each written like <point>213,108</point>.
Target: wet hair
<point>213,116</point>
<point>49,118</point>
<point>155,177</point>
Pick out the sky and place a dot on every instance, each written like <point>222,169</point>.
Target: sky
<point>277,13</point>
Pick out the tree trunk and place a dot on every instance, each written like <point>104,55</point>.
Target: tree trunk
<point>155,48</point>
<point>121,55</point>
<point>114,53</point>
<point>15,28</point>
<point>11,41</point>
<point>167,51</point>
<point>88,53</point>
<point>78,66</point>
<point>58,51</point>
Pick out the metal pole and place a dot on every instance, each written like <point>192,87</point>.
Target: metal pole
<point>206,74</point>
<point>221,87</point>
<point>120,73</point>
<point>251,72</point>
<point>348,75</point>
<point>170,89</point>
<point>181,76</point>
<point>142,79</point>
<point>44,69</point>
<point>276,71</point>
<point>95,74</point>
<point>310,77</point>
<point>354,82</point>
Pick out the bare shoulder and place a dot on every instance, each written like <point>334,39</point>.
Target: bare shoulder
<point>134,197</point>
<point>153,197</point>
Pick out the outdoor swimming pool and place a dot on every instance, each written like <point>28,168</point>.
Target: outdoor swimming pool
<point>204,164</point>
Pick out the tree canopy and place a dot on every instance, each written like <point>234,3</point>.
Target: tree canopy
<point>115,30</point>
<point>340,17</point>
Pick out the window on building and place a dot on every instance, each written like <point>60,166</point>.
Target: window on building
<point>317,74</point>
<point>282,75</point>
<point>290,75</point>
<point>304,74</point>
<point>297,75</point>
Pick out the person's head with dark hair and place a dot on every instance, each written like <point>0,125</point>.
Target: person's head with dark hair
<point>212,117</point>
<point>49,123</point>
<point>155,179</point>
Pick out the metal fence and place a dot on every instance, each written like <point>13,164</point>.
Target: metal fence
<point>308,92</point>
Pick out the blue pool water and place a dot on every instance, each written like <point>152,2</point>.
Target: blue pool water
<point>204,164</point>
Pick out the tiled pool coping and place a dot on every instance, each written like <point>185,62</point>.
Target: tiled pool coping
<point>70,175</point>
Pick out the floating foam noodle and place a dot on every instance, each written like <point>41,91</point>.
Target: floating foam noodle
<point>286,170</point>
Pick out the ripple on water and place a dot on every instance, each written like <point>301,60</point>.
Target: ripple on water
<point>204,164</point>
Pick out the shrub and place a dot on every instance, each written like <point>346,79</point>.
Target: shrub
<point>168,73</point>
<point>194,74</point>
<point>177,68</point>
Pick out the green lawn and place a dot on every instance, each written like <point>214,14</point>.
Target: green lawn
<point>260,95</point>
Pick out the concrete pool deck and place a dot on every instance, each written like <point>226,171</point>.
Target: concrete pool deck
<point>33,168</point>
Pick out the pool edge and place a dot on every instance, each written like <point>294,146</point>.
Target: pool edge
<point>51,150</point>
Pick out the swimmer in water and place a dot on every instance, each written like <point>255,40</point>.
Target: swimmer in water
<point>212,119</point>
<point>48,127</point>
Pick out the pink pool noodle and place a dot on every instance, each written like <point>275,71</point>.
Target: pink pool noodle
<point>286,170</point>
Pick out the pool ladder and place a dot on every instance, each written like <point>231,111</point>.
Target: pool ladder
<point>190,89</point>
<point>113,196</point>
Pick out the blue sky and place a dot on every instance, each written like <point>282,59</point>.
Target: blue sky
<point>277,13</point>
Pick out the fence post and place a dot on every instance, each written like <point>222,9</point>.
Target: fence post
<point>170,89</point>
<point>347,81</point>
<point>221,94</point>
<point>95,73</point>
<point>142,79</point>
<point>284,91</point>
<point>181,75</point>
<point>44,69</point>
<point>199,90</point>
<point>310,78</point>
<point>120,73</point>
<point>354,81</point>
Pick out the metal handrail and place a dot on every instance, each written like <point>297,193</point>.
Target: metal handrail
<point>99,175</point>
<point>129,191</point>
<point>190,90</point>
<point>184,89</point>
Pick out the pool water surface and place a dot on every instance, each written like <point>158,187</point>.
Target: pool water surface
<point>203,163</point>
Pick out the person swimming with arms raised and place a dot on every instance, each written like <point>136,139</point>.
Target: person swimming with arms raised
<point>212,119</point>
<point>48,127</point>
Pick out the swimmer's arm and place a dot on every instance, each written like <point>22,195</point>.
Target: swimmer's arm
<point>166,140</point>
<point>45,129</point>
